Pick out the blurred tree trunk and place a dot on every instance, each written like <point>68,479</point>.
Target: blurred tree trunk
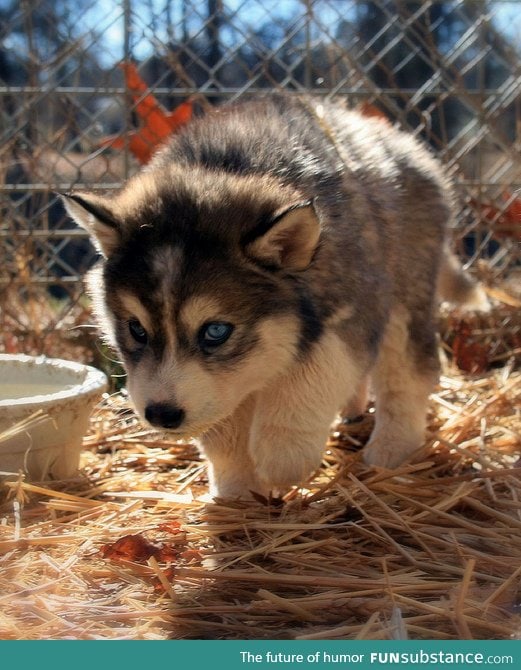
<point>213,27</point>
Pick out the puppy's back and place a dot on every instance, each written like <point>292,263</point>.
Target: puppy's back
<point>383,200</point>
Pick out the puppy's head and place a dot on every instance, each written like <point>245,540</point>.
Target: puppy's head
<point>201,288</point>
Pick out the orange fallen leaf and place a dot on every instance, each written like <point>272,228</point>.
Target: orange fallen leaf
<point>158,124</point>
<point>469,355</point>
<point>169,574</point>
<point>166,554</point>
<point>138,549</point>
<point>173,527</point>
<point>129,548</point>
<point>191,555</point>
<point>145,104</point>
<point>372,111</point>
<point>181,115</point>
<point>504,222</point>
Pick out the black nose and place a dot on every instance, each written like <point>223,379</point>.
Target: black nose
<point>163,415</point>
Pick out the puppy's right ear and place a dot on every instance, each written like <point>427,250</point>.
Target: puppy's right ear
<point>93,213</point>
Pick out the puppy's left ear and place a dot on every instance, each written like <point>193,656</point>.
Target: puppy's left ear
<point>93,213</point>
<point>290,240</point>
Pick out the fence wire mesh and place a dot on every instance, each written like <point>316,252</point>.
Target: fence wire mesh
<point>449,71</point>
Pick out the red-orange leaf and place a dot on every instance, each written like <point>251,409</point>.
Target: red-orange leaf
<point>173,527</point>
<point>129,548</point>
<point>504,222</point>
<point>138,549</point>
<point>158,123</point>
<point>169,574</point>
<point>181,115</point>
<point>370,110</point>
<point>146,105</point>
<point>192,555</point>
<point>469,355</point>
<point>167,554</point>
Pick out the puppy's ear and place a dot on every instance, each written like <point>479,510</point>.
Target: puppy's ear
<point>93,213</point>
<point>290,239</point>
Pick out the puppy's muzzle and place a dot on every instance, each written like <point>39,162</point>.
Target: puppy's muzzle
<point>163,415</point>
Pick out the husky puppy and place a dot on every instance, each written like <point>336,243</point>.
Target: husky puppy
<point>273,257</point>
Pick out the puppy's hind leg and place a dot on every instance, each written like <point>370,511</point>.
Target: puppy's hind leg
<point>406,371</point>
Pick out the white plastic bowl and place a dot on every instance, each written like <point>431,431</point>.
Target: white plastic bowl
<point>65,393</point>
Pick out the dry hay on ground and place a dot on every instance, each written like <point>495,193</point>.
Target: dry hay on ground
<point>133,548</point>
<point>429,551</point>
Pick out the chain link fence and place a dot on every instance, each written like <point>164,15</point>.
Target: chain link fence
<point>450,71</point>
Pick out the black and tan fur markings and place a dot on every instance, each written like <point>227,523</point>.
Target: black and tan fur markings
<point>172,315</point>
<point>320,236</point>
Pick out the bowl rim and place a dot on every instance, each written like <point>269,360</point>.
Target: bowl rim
<point>95,381</point>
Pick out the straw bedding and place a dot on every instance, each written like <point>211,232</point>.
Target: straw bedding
<point>133,548</point>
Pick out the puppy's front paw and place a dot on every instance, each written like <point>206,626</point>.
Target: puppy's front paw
<point>284,460</point>
<point>388,452</point>
<point>235,485</point>
<point>280,475</point>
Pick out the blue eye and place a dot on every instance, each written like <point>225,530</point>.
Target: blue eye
<point>137,331</point>
<point>214,334</point>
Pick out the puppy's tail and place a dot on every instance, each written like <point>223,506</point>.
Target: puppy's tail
<point>458,287</point>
